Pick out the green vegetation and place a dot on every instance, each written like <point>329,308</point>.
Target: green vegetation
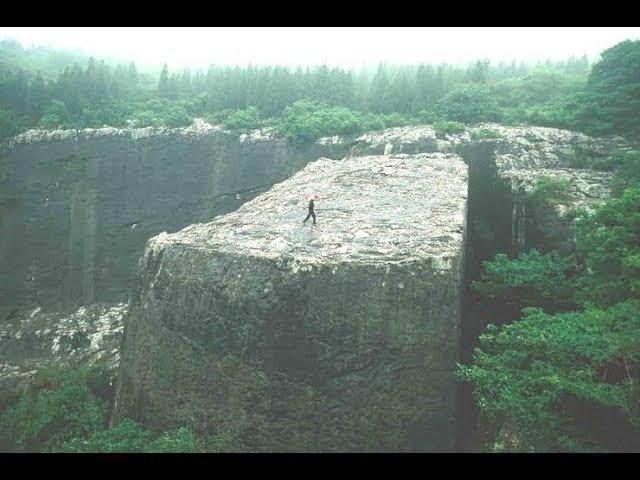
<point>72,91</point>
<point>444,128</point>
<point>562,373</point>
<point>306,121</point>
<point>64,404</point>
<point>562,382</point>
<point>551,191</point>
<point>127,436</point>
<point>531,280</point>
<point>485,134</point>
<point>66,410</point>
<point>626,165</point>
<point>609,242</point>
<point>241,121</point>
<point>131,437</point>
<point>610,103</point>
<point>558,367</point>
<point>469,103</point>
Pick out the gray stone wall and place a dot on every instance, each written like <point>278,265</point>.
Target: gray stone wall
<point>76,207</point>
<point>336,337</point>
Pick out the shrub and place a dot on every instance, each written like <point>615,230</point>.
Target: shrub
<point>306,121</point>
<point>485,134</point>
<point>241,121</point>
<point>63,403</point>
<point>551,191</point>
<point>562,382</point>
<point>391,120</point>
<point>160,113</point>
<point>56,115</point>
<point>444,128</point>
<point>126,437</point>
<point>180,440</point>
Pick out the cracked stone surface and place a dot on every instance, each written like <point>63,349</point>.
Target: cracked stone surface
<point>396,207</point>
<point>77,206</point>
<point>337,337</point>
<point>90,335</point>
<point>285,327</point>
<point>520,157</point>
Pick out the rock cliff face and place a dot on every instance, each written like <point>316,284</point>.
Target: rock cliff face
<point>299,337</point>
<point>521,158</point>
<point>505,164</point>
<point>341,336</point>
<point>76,207</point>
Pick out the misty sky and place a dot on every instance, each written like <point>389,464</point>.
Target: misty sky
<point>344,46</point>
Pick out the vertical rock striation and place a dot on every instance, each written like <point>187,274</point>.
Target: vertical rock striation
<point>337,337</point>
<point>77,206</point>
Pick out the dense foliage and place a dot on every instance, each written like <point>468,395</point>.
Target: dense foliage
<point>564,375</point>
<point>66,410</point>
<point>611,100</point>
<point>62,405</point>
<point>531,280</point>
<point>72,91</point>
<point>563,382</point>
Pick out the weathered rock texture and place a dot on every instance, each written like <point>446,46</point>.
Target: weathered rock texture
<point>522,156</point>
<point>77,206</point>
<point>337,337</point>
<point>88,336</point>
<point>505,164</point>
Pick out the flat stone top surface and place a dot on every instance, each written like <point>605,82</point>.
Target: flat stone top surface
<point>386,208</point>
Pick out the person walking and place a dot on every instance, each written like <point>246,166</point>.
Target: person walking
<point>312,213</point>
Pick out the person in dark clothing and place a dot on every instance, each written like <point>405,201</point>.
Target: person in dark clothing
<point>311,213</point>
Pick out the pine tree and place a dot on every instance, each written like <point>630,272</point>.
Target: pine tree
<point>163,84</point>
<point>38,97</point>
<point>132,75</point>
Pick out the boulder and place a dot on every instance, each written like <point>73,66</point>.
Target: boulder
<point>341,336</point>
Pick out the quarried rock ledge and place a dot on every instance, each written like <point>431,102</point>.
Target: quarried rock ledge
<point>91,335</point>
<point>337,337</point>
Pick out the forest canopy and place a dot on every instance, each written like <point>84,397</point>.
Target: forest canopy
<point>65,90</point>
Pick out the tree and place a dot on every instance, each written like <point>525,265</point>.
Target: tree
<point>567,381</point>
<point>561,382</point>
<point>56,115</point>
<point>8,124</point>
<point>609,242</point>
<point>132,75</point>
<point>163,84</point>
<point>479,72</point>
<point>241,121</point>
<point>469,103</point>
<point>611,103</point>
<point>38,97</point>
<point>377,98</point>
<point>531,280</point>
